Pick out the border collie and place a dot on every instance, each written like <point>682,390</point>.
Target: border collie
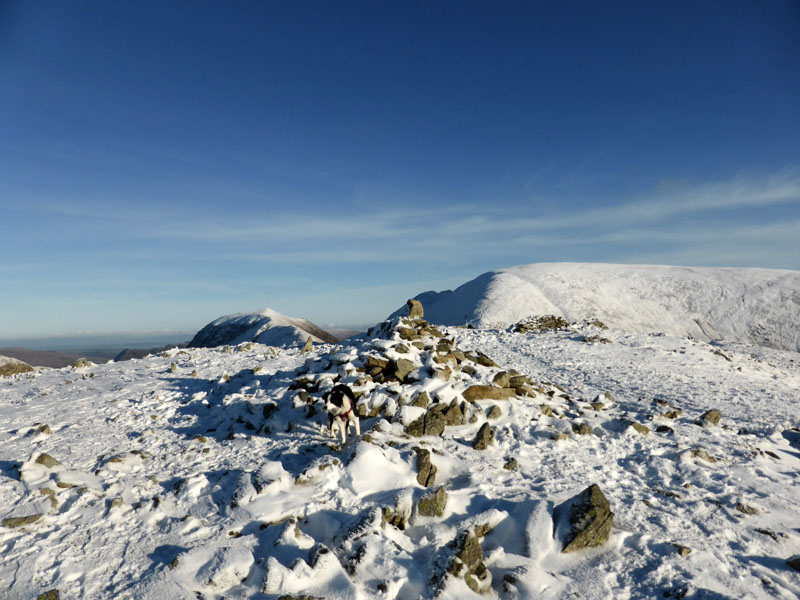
<point>339,403</point>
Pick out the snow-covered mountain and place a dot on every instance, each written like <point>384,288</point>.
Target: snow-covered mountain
<point>757,306</point>
<point>264,326</point>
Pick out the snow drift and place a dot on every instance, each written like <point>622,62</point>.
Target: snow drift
<point>757,306</point>
<point>264,326</point>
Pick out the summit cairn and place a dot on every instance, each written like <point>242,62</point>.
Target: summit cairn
<point>415,310</point>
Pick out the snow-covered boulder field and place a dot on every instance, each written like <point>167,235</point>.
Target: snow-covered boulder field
<point>492,464</point>
<point>264,326</point>
<point>758,306</point>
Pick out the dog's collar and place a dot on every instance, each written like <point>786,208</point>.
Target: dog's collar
<point>348,412</point>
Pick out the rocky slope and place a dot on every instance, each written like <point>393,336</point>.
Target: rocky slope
<point>265,326</point>
<point>756,306</point>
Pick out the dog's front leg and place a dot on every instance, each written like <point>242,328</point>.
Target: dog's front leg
<point>358,426</point>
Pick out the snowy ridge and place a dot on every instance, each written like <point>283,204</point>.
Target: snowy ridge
<point>264,326</point>
<point>757,306</point>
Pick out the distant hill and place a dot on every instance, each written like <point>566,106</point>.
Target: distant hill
<point>129,353</point>
<point>51,358</point>
<point>759,306</point>
<point>264,326</point>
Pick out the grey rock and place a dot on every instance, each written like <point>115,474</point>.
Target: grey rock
<point>590,519</point>
<point>426,471</point>
<point>47,461</point>
<point>511,464</point>
<point>433,503</point>
<point>710,417</point>
<point>494,412</point>
<point>581,428</point>
<point>400,368</point>
<point>502,379</point>
<point>484,438</point>
<point>13,522</point>
<point>453,415</point>
<point>421,400</point>
<point>431,423</point>
<point>488,392</point>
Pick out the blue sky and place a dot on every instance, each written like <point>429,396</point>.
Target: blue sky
<point>165,163</point>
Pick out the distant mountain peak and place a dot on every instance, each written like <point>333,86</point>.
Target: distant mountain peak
<point>264,326</point>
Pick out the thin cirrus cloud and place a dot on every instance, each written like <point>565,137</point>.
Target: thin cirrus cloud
<point>472,220</point>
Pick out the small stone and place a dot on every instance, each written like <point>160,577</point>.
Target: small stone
<point>468,369</point>
<point>308,347</point>
<point>373,362</point>
<point>453,415</point>
<point>47,461</point>
<point>494,412</point>
<point>426,471</point>
<point>401,348</point>
<point>81,363</point>
<point>643,429</point>
<point>746,509</point>
<point>44,429</point>
<point>400,368</point>
<point>672,414</point>
<point>559,437</point>
<point>484,438</point>
<point>511,464</point>
<point>546,410</point>
<point>487,392</point>
<point>703,455</point>
<point>173,367</point>
<point>682,550</point>
<point>49,595</point>
<point>710,417</point>
<point>13,522</point>
<point>665,429</point>
<point>502,379</point>
<point>433,504</point>
<point>484,360</point>
<point>581,428</point>
<point>421,400</point>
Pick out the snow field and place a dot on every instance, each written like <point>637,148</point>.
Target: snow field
<point>226,483</point>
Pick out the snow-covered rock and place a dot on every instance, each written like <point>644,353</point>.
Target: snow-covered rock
<point>758,306</point>
<point>12,366</point>
<point>264,326</point>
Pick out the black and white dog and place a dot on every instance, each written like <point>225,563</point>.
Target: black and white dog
<point>339,403</point>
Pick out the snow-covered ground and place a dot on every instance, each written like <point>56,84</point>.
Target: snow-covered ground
<point>759,306</point>
<point>201,474</point>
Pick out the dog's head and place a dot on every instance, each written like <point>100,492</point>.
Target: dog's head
<point>339,400</point>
